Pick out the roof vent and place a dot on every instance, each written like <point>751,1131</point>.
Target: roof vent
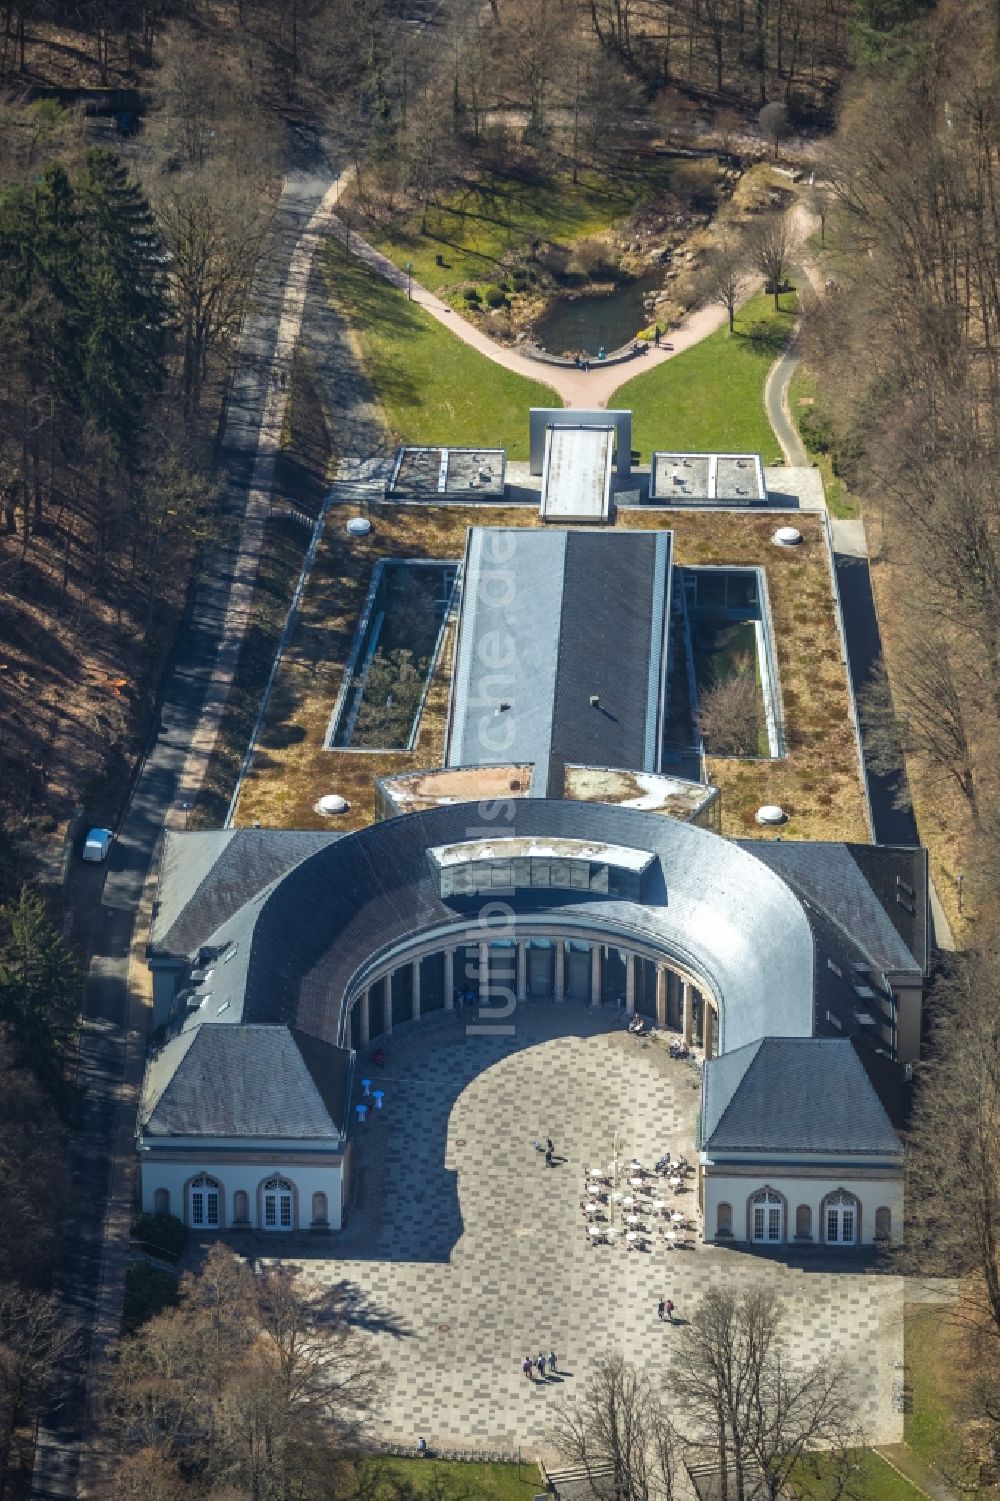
<point>786,536</point>
<point>358,526</point>
<point>595,701</point>
<point>332,803</point>
<point>770,813</point>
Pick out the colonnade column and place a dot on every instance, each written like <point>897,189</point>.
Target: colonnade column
<point>449,979</point>
<point>707,1017</point>
<point>686,1018</point>
<point>364,1018</point>
<point>596,956</point>
<point>559,978</point>
<point>415,968</point>
<point>522,969</point>
<point>484,974</point>
<point>662,974</point>
<point>630,983</point>
<point>387,1001</point>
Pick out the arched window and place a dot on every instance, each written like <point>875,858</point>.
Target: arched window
<point>319,1209</point>
<point>277,1194</point>
<point>804,1222</point>
<point>204,1203</point>
<point>767,1217</point>
<point>241,1207</point>
<point>840,1219</point>
<point>724,1220</point>
<point>161,1201</point>
<point>883,1223</point>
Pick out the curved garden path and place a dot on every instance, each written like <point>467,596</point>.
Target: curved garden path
<point>578,388</point>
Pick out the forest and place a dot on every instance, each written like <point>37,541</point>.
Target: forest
<point>143,148</point>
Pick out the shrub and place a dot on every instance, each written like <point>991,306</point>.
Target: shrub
<point>148,1291</point>
<point>163,1231</point>
<point>496,297</point>
<point>472,297</point>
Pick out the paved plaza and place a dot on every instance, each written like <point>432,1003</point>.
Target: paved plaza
<point>463,1252</point>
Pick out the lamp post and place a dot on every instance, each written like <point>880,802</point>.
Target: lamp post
<point>409,280</point>
<point>958,882</point>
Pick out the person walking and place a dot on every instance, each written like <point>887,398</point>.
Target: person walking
<point>661,1309</point>
<point>527,1368</point>
<point>540,1365</point>
<point>670,1311</point>
<point>552,1362</point>
<point>548,1155</point>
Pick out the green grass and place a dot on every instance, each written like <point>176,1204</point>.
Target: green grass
<point>431,386</point>
<point>931,1423</point>
<point>873,1480</point>
<point>806,407</point>
<point>474,228</point>
<point>711,397</point>
<point>451,1480</point>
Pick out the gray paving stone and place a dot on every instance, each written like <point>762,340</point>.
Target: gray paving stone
<point>461,1239</point>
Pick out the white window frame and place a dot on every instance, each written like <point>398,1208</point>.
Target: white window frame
<point>281,1195</point>
<point>839,1207</point>
<point>201,1193</point>
<point>767,1210</point>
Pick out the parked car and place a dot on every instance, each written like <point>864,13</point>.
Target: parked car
<point>97,844</point>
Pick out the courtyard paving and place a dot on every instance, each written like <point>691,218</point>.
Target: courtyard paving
<point>463,1252</point>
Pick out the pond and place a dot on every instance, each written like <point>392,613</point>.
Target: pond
<point>598,320</point>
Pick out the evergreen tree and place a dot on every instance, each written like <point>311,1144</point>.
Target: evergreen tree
<point>39,987</point>
<point>126,309</point>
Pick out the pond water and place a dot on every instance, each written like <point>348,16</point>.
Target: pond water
<point>586,324</point>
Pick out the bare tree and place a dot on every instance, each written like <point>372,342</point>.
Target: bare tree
<point>729,712</point>
<point>743,1405</point>
<point>35,1337</point>
<point>248,1383</point>
<point>921,714</point>
<point>617,1432</point>
<point>770,244</point>
<point>956,1136</point>
<point>215,228</point>
<point>723,273</point>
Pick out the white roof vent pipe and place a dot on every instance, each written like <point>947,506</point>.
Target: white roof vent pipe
<point>786,536</point>
<point>770,813</point>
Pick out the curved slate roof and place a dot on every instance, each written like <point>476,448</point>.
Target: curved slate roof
<point>712,905</point>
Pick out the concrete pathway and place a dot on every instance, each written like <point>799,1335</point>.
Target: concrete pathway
<point>577,388</point>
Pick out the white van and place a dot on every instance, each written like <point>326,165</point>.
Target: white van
<point>97,844</point>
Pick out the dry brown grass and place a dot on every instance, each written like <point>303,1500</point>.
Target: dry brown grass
<point>818,784</point>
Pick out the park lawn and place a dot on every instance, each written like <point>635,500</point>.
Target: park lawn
<point>432,388</point>
<point>805,403</point>
<point>711,397</point>
<point>873,1480</point>
<point>933,1359</point>
<point>459,1480</point>
<point>473,228</point>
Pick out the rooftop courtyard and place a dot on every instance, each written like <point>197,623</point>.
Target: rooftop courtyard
<point>818,781</point>
<point>463,1252</point>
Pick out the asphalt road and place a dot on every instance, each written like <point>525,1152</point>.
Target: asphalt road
<point>102,1054</point>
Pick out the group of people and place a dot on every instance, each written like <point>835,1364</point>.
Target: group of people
<point>529,1366</point>
<point>665,1310</point>
<point>637,1027</point>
